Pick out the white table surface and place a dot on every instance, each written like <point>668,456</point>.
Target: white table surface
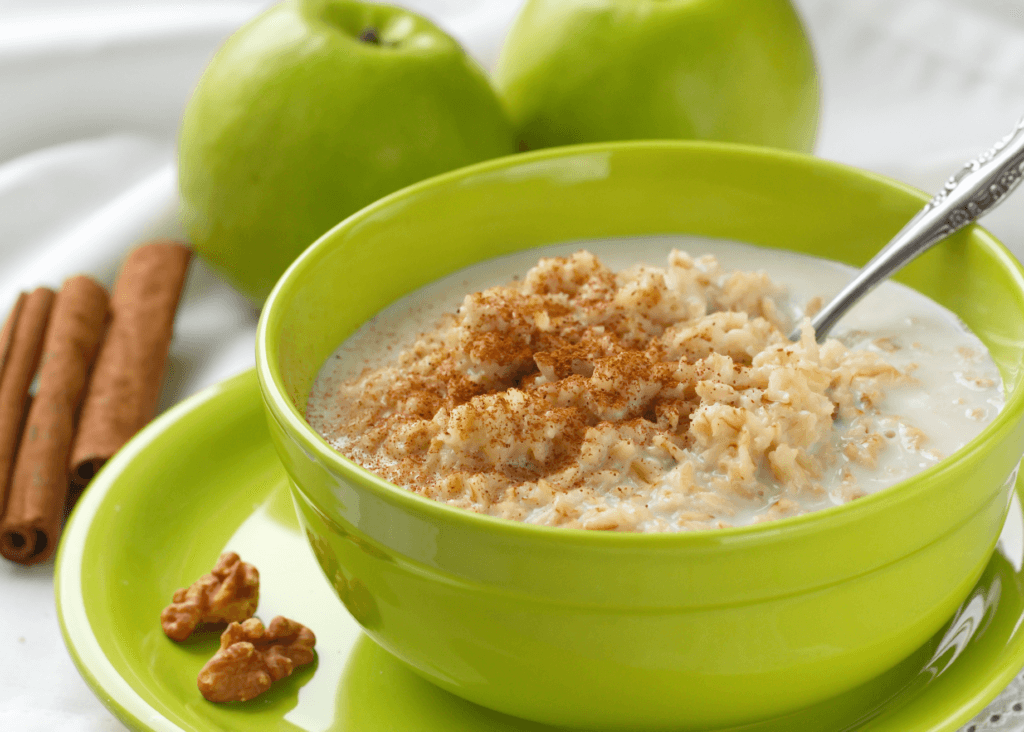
<point>91,92</point>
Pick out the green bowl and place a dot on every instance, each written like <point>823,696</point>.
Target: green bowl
<point>640,631</point>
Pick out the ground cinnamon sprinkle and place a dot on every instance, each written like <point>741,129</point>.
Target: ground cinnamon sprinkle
<point>650,399</point>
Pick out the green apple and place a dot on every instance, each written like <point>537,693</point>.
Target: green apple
<point>310,112</point>
<point>590,70</point>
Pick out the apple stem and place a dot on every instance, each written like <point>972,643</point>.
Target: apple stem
<point>369,35</point>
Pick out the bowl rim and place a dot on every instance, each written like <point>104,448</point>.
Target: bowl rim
<point>281,408</point>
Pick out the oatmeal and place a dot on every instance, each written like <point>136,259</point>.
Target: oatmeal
<point>649,399</point>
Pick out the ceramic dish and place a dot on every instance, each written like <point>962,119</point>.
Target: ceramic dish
<point>204,478</point>
<point>642,631</point>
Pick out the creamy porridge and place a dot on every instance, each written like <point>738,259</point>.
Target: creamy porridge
<point>588,391</point>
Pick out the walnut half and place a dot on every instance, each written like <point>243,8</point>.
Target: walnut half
<point>251,658</point>
<point>228,594</point>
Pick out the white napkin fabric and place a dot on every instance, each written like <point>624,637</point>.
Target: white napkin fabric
<point>91,92</point>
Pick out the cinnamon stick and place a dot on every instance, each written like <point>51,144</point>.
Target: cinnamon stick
<point>7,334</point>
<point>39,486</point>
<point>125,386</point>
<point>22,345</point>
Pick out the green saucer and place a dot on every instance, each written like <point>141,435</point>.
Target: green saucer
<point>204,478</point>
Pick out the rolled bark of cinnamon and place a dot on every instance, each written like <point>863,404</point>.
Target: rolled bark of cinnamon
<point>125,386</point>
<point>39,486</point>
<point>22,345</point>
<point>7,334</point>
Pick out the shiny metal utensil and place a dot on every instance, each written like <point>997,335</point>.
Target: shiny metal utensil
<point>967,196</point>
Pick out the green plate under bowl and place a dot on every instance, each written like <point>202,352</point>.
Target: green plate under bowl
<point>204,478</point>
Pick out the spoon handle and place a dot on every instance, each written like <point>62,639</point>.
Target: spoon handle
<point>968,195</point>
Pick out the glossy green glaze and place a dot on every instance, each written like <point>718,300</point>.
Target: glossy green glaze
<point>642,631</point>
<point>205,478</point>
<point>574,71</point>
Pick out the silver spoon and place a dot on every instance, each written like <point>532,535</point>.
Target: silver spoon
<point>968,195</point>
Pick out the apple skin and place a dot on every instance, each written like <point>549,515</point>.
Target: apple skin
<point>297,123</point>
<point>592,70</point>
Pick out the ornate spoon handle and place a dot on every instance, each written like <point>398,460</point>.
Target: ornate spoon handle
<point>967,196</point>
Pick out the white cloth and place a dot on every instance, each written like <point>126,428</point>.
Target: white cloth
<point>91,92</point>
